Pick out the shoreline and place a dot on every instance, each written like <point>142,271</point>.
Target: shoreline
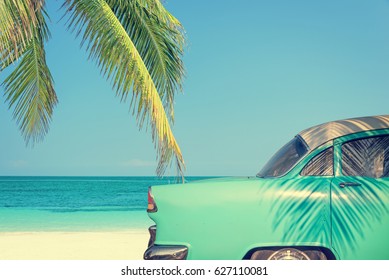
<point>129,244</point>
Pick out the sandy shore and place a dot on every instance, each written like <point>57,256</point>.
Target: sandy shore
<point>123,245</point>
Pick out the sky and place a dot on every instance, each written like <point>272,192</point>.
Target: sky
<point>257,73</point>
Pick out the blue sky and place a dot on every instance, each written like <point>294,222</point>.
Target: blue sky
<point>258,72</point>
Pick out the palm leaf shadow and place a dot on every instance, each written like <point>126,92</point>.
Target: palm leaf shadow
<point>355,212</point>
<point>300,211</point>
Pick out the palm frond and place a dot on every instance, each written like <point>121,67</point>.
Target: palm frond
<point>29,88</point>
<point>110,45</point>
<point>160,11</point>
<point>156,7</point>
<point>159,42</point>
<point>17,23</point>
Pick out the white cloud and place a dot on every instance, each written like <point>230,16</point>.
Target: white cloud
<point>18,163</point>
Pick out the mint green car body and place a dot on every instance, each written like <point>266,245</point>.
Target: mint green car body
<point>228,218</point>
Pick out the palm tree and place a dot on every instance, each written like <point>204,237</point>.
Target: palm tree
<point>137,44</point>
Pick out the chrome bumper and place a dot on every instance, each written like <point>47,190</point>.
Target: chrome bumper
<point>163,252</point>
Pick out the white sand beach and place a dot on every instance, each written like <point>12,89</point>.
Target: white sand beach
<point>121,245</point>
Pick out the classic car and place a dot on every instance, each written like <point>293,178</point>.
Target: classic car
<point>322,196</point>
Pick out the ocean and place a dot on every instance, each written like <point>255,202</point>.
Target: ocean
<point>68,204</point>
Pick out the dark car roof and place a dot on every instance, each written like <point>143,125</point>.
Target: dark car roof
<point>320,134</point>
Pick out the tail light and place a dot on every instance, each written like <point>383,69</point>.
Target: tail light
<point>151,206</point>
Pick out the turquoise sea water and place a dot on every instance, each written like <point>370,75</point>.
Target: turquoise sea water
<point>76,203</point>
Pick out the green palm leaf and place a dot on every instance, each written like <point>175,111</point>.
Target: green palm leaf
<point>17,24</point>
<point>159,10</point>
<point>110,45</point>
<point>29,88</point>
<point>160,42</point>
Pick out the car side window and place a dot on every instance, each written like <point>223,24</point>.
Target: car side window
<point>368,157</point>
<point>321,164</point>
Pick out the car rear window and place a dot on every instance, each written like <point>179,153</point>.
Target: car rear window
<point>284,159</point>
